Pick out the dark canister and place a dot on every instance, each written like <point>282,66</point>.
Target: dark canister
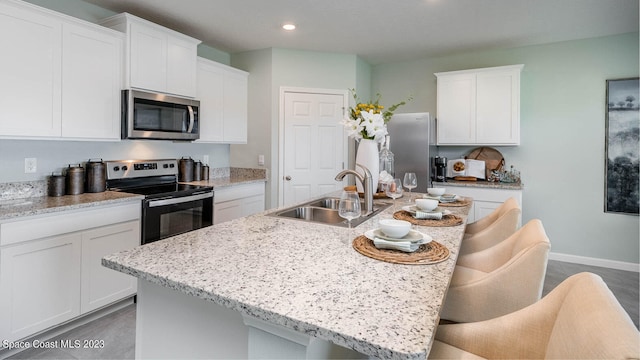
<point>75,180</point>
<point>56,185</point>
<point>96,176</point>
<point>205,172</point>
<point>185,170</point>
<point>197,171</point>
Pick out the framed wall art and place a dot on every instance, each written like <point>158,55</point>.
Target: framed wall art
<point>622,145</point>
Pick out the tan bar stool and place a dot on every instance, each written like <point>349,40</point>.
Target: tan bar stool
<point>493,228</point>
<point>579,319</point>
<point>501,279</point>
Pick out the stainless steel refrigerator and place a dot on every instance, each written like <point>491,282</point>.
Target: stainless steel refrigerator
<point>413,143</point>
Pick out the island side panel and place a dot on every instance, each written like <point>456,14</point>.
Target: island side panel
<point>173,325</point>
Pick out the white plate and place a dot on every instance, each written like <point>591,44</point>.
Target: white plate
<point>426,196</point>
<point>412,210</point>
<point>446,198</point>
<point>413,236</point>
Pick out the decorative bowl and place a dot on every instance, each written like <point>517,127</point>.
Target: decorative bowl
<point>395,228</point>
<point>427,204</point>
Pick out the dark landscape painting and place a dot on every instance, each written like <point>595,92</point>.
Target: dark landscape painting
<point>622,146</point>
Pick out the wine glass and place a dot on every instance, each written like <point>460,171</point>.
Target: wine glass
<point>394,191</point>
<point>410,182</point>
<point>349,207</point>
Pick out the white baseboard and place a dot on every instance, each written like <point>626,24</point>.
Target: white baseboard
<point>612,264</point>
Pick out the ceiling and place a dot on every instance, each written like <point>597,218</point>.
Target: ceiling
<point>383,31</point>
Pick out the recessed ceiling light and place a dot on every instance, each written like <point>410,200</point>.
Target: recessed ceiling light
<point>289,27</point>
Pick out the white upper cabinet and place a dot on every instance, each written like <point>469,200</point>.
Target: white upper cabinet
<point>63,77</point>
<point>157,58</point>
<point>222,91</point>
<point>479,106</point>
<point>30,71</point>
<point>91,82</point>
<point>182,56</point>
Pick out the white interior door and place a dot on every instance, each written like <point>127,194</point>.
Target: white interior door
<point>314,144</point>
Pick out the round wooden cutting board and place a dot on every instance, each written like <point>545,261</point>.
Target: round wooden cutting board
<point>493,158</point>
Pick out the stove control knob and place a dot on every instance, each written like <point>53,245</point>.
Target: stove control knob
<point>124,168</point>
<point>165,166</point>
<point>172,165</point>
<point>116,168</point>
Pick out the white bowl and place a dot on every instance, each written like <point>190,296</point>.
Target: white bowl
<point>427,204</point>
<point>395,228</point>
<point>436,191</point>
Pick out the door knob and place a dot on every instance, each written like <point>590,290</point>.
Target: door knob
<point>288,178</point>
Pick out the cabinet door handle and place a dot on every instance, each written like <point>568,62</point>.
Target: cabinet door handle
<point>288,178</point>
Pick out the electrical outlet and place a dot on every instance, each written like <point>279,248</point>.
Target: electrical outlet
<point>30,165</point>
<point>261,160</point>
<point>205,159</point>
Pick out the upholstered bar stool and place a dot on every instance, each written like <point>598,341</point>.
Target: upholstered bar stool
<point>493,228</point>
<point>579,319</point>
<point>501,279</point>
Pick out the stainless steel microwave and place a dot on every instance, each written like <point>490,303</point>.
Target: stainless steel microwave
<point>158,116</point>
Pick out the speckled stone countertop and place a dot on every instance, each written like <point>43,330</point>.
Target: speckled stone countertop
<point>481,184</point>
<point>223,177</point>
<point>12,208</point>
<point>306,277</point>
<point>29,198</point>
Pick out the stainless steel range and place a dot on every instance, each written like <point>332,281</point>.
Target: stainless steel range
<point>169,208</point>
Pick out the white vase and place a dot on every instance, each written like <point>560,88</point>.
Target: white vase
<point>367,155</point>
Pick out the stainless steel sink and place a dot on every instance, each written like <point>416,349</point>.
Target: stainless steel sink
<point>325,211</point>
<point>315,214</point>
<point>329,203</point>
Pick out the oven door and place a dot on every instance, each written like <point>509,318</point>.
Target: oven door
<point>162,218</point>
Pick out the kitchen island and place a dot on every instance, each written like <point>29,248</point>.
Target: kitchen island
<point>263,286</point>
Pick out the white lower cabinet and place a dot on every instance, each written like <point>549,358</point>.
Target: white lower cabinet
<point>51,271</point>
<point>40,285</point>
<point>101,286</point>
<point>237,201</point>
<point>485,200</point>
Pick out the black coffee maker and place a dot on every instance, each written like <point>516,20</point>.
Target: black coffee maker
<point>439,166</point>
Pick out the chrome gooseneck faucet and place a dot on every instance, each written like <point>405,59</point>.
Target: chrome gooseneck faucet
<point>367,184</point>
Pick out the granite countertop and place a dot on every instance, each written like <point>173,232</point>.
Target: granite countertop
<point>306,277</point>
<point>223,177</point>
<point>29,198</point>
<point>13,208</point>
<point>481,184</point>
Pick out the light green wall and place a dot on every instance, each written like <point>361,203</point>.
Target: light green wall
<point>214,54</point>
<point>561,155</point>
<point>284,68</point>
<point>363,78</point>
<point>259,132</point>
<point>76,8</point>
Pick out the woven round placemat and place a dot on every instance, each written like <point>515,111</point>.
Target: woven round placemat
<point>457,203</point>
<point>430,253</point>
<point>447,220</point>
